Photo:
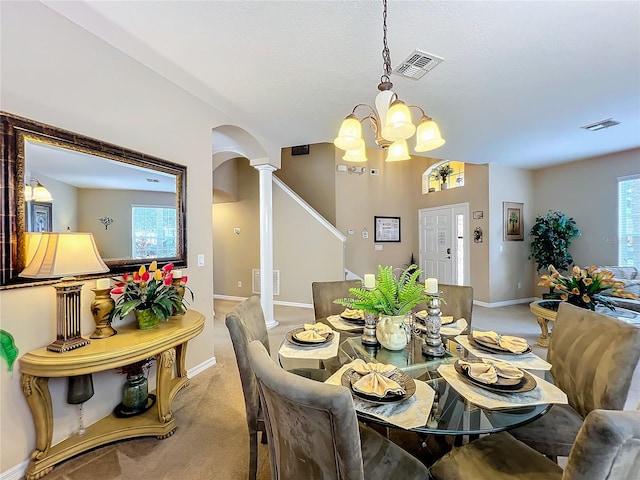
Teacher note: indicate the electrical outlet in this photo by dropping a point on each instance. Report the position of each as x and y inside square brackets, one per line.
[240, 284]
[379, 247]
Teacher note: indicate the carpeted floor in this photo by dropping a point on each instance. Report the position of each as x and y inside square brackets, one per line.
[211, 441]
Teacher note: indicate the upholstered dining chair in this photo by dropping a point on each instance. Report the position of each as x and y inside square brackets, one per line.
[607, 447]
[324, 293]
[459, 304]
[592, 357]
[245, 324]
[313, 431]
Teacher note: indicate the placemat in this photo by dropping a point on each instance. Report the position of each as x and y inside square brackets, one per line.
[338, 323]
[526, 361]
[410, 413]
[324, 352]
[454, 328]
[544, 392]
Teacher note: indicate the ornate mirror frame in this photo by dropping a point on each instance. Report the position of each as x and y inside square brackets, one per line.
[15, 131]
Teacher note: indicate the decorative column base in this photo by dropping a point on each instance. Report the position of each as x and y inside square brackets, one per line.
[432, 341]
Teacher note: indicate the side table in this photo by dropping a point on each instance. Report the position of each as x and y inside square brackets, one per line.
[545, 311]
[168, 343]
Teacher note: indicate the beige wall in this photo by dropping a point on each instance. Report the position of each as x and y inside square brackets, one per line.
[313, 177]
[588, 192]
[225, 182]
[115, 241]
[361, 197]
[509, 264]
[304, 250]
[57, 73]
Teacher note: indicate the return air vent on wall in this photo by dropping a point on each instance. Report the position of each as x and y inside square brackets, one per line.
[255, 284]
[417, 64]
[594, 127]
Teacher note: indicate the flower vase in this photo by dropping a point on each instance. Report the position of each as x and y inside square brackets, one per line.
[177, 284]
[135, 392]
[391, 332]
[146, 319]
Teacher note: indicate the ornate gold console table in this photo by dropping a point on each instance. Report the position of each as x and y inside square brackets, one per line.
[168, 343]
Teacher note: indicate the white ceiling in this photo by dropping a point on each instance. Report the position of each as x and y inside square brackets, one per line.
[519, 78]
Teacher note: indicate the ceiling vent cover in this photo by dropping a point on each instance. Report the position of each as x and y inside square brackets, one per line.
[417, 64]
[594, 127]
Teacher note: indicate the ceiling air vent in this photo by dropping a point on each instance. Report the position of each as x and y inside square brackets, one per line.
[593, 127]
[417, 64]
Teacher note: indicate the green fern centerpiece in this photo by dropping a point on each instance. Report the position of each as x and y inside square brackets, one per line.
[391, 296]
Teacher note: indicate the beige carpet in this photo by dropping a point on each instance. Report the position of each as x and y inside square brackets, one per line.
[211, 441]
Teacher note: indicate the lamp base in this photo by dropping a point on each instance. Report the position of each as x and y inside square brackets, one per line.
[61, 346]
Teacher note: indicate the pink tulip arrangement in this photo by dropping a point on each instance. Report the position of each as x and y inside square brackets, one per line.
[150, 289]
[586, 287]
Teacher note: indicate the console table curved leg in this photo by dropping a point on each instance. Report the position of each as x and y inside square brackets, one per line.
[543, 341]
[36, 391]
[166, 362]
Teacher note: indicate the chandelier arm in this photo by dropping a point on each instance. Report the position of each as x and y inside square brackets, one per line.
[421, 111]
[371, 109]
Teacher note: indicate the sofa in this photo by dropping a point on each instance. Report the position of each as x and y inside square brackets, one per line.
[630, 275]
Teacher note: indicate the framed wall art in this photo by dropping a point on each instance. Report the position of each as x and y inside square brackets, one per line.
[40, 217]
[478, 215]
[386, 229]
[512, 217]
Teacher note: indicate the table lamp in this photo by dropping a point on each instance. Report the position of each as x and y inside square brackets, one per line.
[66, 255]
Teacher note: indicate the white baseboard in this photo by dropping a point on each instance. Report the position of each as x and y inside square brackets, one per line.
[192, 372]
[229, 297]
[517, 301]
[275, 302]
[15, 473]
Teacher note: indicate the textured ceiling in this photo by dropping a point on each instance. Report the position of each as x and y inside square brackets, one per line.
[518, 79]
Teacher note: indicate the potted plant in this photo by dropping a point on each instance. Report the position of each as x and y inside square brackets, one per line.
[150, 294]
[442, 173]
[552, 234]
[586, 287]
[391, 299]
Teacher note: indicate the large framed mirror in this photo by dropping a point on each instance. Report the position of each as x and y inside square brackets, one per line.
[134, 204]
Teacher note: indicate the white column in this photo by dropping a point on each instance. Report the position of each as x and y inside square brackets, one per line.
[266, 242]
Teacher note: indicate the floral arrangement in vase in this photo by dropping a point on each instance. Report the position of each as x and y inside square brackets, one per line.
[151, 294]
[586, 287]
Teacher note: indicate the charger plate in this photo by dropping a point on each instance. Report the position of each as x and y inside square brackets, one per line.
[350, 376]
[290, 336]
[493, 348]
[503, 385]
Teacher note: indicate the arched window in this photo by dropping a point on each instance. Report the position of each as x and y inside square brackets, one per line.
[443, 176]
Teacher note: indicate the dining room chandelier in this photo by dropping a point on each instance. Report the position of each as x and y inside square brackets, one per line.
[390, 120]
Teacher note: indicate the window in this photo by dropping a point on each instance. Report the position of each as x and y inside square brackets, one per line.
[154, 231]
[453, 180]
[629, 220]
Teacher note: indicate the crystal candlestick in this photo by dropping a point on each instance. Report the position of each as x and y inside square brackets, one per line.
[369, 332]
[432, 341]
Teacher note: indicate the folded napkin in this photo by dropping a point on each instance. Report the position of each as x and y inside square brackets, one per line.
[375, 380]
[309, 336]
[320, 328]
[446, 319]
[483, 372]
[505, 369]
[353, 314]
[509, 343]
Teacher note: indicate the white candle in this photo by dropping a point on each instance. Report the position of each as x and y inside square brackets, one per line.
[431, 285]
[177, 274]
[103, 283]
[369, 280]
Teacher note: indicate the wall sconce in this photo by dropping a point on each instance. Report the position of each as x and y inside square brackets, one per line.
[477, 235]
[106, 221]
[35, 191]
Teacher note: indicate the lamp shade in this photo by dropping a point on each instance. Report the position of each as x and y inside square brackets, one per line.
[32, 240]
[398, 125]
[428, 136]
[350, 135]
[398, 151]
[64, 254]
[356, 155]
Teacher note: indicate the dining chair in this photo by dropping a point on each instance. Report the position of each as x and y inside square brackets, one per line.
[245, 324]
[607, 447]
[459, 303]
[592, 357]
[324, 293]
[313, 430]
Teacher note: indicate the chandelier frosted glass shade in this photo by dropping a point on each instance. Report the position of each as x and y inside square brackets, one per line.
[428, 136]
[398, 151]
[350, 135]
[398, 124]
[35, 191]
[357, 155]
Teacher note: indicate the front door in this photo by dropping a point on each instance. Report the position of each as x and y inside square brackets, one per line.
[436, 242]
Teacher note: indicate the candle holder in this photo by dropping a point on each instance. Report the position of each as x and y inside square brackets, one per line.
[101, 309]
[177, 284]
[369, 333]
[432, 341]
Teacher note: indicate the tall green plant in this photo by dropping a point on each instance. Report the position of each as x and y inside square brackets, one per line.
[552, 235]
[391, 295]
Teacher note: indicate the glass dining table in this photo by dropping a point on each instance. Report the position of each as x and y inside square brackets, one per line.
[451, 413]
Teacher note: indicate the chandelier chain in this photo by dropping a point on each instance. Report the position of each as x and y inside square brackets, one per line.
[386, 56]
